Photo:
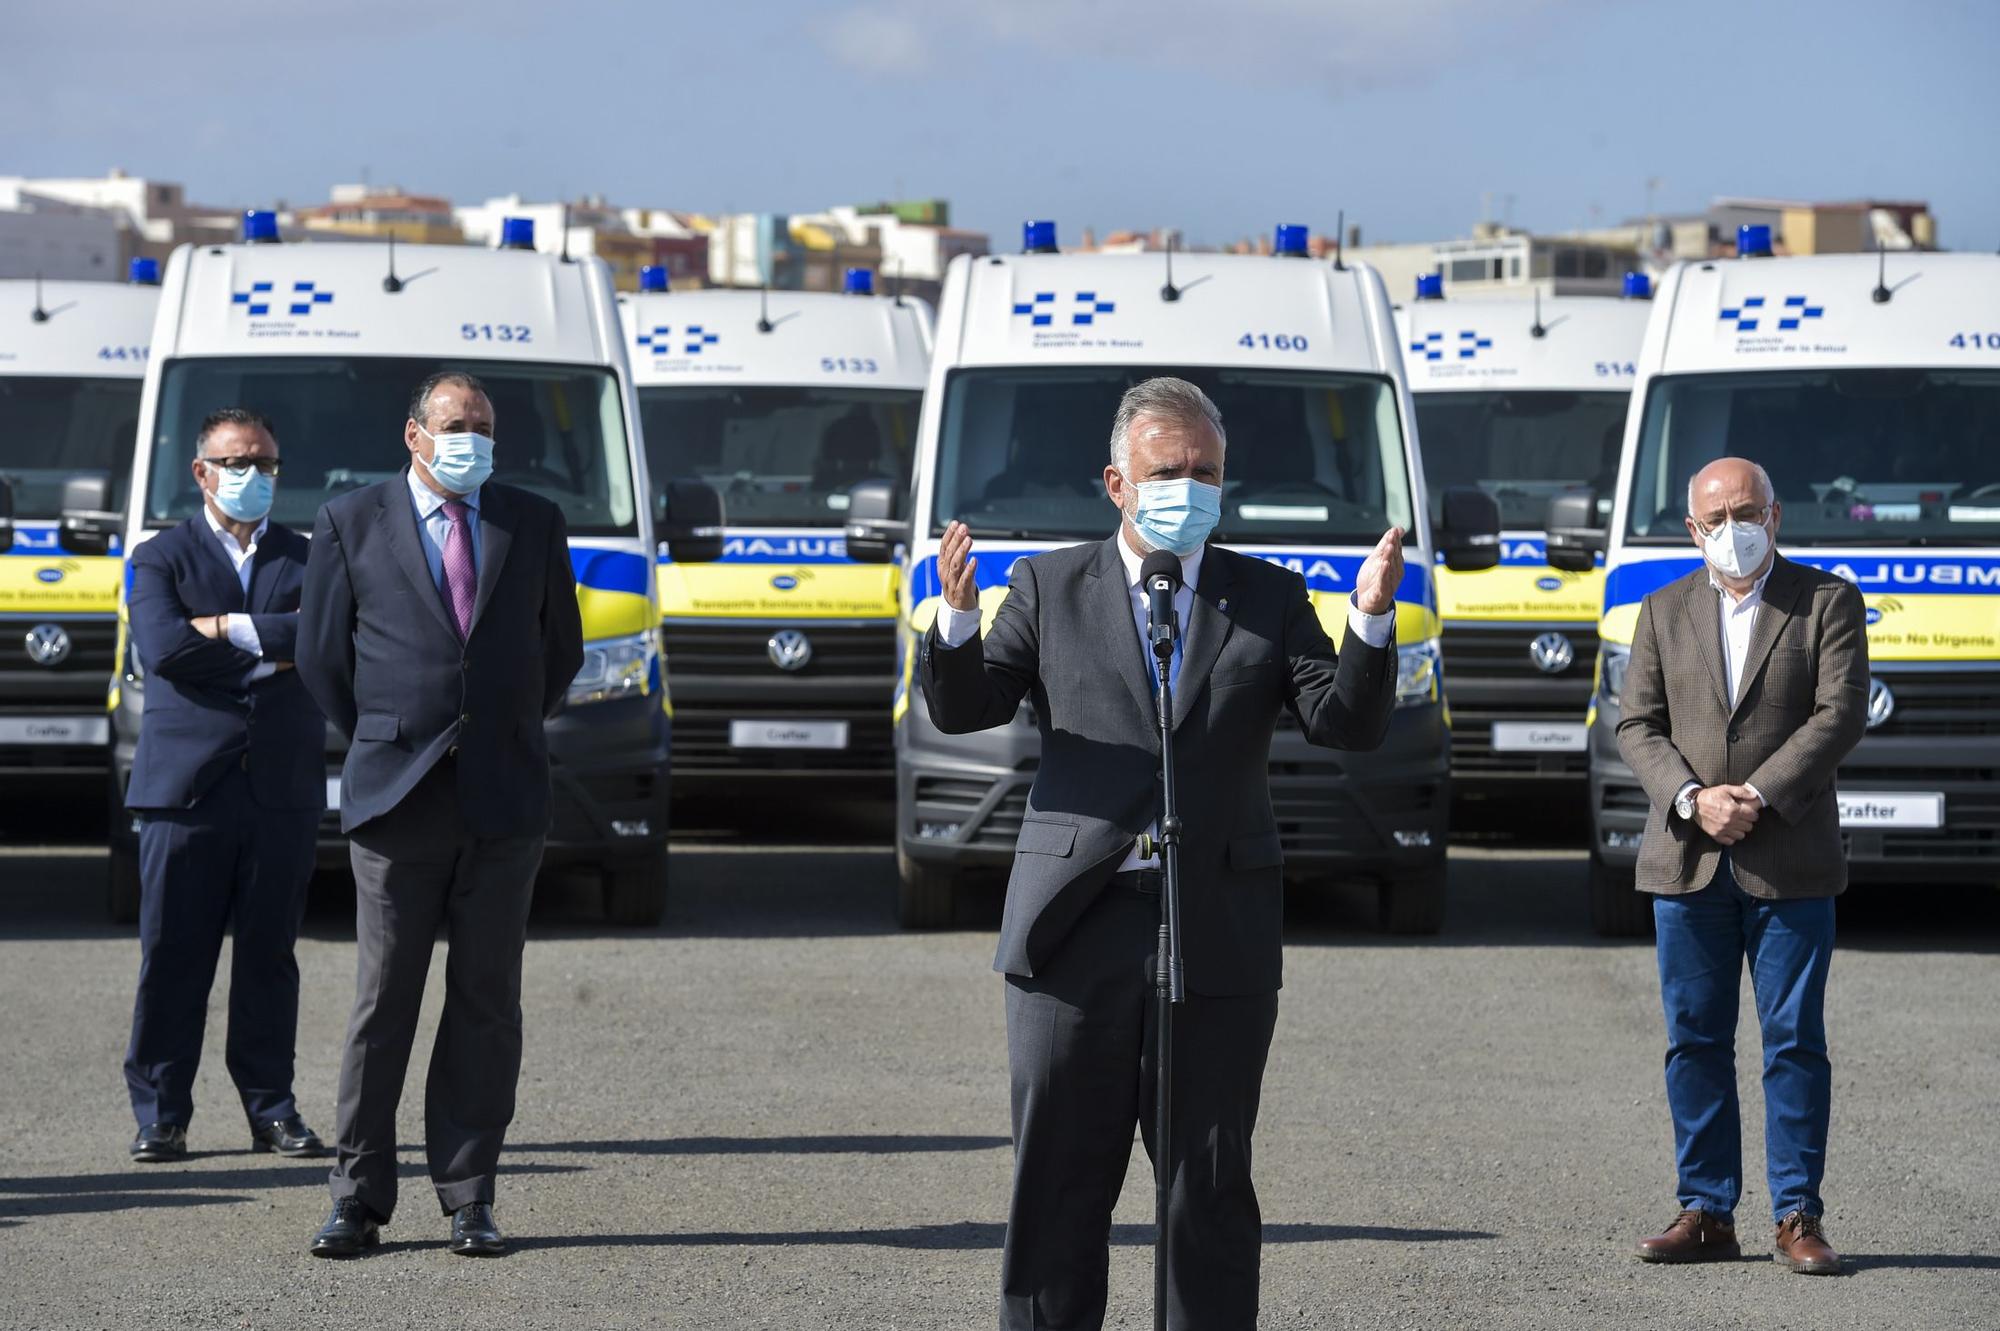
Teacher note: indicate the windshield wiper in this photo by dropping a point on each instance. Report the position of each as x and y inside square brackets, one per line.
[1014, 534]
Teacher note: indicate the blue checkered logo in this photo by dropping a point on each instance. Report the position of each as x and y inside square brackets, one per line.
[262, 297]
[1041, 310]
[659, 340]
[1432, 346]
[1786, 316]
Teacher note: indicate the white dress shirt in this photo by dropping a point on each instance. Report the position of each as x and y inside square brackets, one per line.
[956, 627]
[242, 634]
[1739, 617]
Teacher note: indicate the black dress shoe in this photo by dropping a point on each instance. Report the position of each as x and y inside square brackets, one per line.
[351, 1228]
[160, 1142]
[473, 1233]
[286, 1136]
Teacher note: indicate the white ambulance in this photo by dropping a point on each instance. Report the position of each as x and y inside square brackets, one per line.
[1868, 385]
[1526, 400]
[1301, 356]
[72, 356]
[329, 340]
[782, 655]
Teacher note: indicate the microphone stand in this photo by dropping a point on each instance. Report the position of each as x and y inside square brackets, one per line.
[1168, 983]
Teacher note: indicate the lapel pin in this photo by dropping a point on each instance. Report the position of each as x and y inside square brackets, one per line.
[1223, 605]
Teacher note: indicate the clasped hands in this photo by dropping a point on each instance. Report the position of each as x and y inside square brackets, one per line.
[1726, 813]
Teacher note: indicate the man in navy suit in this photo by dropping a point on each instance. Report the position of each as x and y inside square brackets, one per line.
[228, 783]
[441, 627]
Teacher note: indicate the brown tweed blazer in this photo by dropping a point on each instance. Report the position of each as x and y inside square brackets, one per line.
[1801, 707]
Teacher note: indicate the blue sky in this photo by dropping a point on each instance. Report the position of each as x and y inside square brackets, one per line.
[1219, 118]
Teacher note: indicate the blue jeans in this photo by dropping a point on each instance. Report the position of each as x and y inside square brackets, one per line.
[1703, 938]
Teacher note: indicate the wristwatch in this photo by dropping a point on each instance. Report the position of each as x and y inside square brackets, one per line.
[1684, 802]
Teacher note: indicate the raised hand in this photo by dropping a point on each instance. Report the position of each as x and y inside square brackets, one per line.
[956, 568]
[1382, 572]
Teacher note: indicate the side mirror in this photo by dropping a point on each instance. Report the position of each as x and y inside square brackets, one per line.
[89, 525]
[691, 522]
[873, 529]
[1574, 538]
[1469, 536]
[6, 515]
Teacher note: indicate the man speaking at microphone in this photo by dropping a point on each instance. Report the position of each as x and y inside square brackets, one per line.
[1083, 903]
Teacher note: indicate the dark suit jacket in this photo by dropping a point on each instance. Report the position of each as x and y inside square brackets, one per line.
[1065, 638]
[1801, 707]
[203, 715]
[378, 649]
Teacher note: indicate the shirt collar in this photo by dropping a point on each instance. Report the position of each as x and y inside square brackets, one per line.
[1133, 560]
[1756, 588]
[263, 525]
[430, 501]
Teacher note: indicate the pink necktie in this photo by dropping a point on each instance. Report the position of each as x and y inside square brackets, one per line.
[461, 585]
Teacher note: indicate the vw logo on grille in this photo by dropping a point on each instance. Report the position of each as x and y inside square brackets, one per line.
[47, 644]
[1552, 653]
[1881, 703]
[789, 649]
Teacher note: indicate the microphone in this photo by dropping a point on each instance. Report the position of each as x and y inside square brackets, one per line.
[1160, 575]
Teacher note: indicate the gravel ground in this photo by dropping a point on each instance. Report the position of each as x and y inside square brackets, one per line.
[776, 1111]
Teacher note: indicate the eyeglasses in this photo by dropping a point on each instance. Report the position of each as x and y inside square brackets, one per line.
[1754, 514]
[238, 465]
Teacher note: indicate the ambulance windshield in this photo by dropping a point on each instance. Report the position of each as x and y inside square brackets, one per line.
[1858, 457]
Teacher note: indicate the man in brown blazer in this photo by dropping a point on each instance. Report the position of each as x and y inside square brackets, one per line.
[1747, 686]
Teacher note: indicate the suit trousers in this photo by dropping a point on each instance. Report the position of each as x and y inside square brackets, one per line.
[1703, 938]
[1080, 1042]
[226, 865]
[417, 869]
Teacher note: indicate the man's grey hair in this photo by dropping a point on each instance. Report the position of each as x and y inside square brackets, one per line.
[1763, 478]
[1171, 399]
[222, 416]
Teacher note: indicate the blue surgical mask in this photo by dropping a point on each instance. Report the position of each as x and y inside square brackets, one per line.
[460, 460]
[1176, 516]
[244, 495]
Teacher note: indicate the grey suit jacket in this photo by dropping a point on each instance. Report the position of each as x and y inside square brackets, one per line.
[1801, 707]
[1064, 638]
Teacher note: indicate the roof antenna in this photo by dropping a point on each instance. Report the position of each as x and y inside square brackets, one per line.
[1881, 293]
[40, 315]
[764, 309]
[1170, 292]
[392, 283]
[1340, 241]
[1537, 328]
[896, 285]
[565, 234]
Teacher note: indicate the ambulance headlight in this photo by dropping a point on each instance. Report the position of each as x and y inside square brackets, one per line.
[1611, 662]
[1417, 673]
[616, 668]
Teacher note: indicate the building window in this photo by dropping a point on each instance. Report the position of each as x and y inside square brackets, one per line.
[1596, 263]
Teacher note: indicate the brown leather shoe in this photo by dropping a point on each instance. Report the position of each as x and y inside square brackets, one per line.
[1695, 1236]
[1803, 1247]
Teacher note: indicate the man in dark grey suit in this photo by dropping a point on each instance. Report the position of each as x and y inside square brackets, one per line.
[1747, 686]
[439, 627]
[1083, 905]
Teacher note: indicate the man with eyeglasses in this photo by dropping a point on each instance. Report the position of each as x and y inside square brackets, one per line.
[228, 783]
[1747, 686]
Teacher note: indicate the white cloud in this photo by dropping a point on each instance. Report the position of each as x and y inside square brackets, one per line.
[878, 39]
[1334, 43]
